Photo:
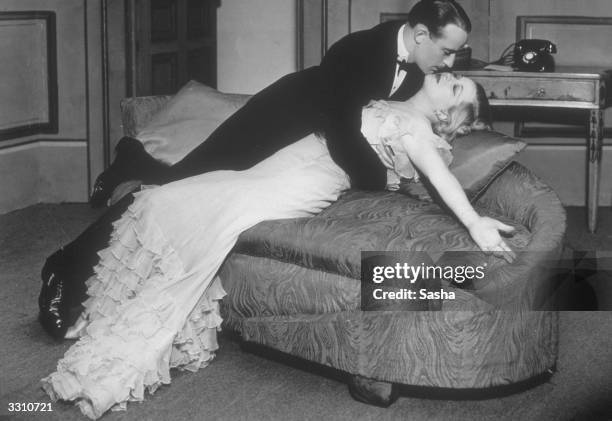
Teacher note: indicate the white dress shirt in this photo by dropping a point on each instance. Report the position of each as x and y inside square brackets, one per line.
[402, 55]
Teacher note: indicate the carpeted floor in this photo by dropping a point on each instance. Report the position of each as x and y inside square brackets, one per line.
[248, 385]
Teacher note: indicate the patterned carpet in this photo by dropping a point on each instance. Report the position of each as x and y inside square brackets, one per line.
[245, 385]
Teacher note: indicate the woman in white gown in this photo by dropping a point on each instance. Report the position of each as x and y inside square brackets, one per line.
[154, 298]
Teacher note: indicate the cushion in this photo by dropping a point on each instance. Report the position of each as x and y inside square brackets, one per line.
[137, 111]
[186, 120]
[477, 159]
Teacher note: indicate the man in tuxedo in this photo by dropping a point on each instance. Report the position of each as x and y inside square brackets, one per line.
[386, 62]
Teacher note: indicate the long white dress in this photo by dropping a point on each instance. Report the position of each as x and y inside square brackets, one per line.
[154, 297]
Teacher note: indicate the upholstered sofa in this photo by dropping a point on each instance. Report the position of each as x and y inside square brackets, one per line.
[295, 285]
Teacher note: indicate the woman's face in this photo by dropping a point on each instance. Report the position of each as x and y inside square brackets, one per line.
[447, 89]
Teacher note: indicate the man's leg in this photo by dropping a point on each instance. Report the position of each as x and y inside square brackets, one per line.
[222, 151]
[132, 162]
[65, 271]
[276, 117]
[254, 133]
[83, 251]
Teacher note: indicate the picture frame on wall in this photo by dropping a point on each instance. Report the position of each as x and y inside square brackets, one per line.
[28, 97]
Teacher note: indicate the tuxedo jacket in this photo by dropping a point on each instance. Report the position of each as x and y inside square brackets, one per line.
[357, 69]
[326, 99]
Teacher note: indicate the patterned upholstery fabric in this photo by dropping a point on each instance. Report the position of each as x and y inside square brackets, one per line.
[294, 285]
[376, 221]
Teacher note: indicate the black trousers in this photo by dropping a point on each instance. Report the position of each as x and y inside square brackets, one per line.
[270, 121]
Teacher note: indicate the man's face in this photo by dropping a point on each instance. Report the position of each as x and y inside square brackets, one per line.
[436, 53]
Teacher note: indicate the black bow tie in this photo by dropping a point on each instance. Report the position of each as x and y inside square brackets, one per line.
[405, 66]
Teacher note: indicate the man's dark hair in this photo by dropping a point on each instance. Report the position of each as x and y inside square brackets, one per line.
[436, 14]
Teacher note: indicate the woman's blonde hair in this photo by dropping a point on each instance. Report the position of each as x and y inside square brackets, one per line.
[466, 117]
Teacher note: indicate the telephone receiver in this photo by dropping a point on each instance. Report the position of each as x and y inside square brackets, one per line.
[534, 55]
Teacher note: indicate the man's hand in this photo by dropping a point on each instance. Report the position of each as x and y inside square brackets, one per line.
[485, 233]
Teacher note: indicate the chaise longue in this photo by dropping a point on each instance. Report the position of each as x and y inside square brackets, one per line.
[295, 285]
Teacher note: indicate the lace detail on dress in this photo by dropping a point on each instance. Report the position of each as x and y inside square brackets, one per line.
[132, 342]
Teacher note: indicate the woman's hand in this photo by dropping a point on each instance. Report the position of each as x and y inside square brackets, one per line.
[484, 230]
[485, 233]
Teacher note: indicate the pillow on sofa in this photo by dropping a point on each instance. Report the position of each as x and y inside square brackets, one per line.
[477, 159]
[186, 120]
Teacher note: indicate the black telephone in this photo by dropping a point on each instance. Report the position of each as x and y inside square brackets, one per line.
[534, 55]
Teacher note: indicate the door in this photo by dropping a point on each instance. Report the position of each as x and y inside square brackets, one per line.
[170, 43]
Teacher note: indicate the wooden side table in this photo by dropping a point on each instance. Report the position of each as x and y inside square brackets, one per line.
[583, 88]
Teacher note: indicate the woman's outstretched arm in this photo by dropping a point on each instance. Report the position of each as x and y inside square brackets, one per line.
[484, 230]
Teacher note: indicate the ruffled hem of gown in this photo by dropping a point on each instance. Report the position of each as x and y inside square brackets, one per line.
[131, 343]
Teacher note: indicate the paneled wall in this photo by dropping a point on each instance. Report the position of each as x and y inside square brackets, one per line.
[51, 167]
[256, 46]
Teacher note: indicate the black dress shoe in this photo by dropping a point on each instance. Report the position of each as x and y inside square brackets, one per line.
[131, 162]
[54, 314]
[372, 392]
[52, 301]
[103, 188]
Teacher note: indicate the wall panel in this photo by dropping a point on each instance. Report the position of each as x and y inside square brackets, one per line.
[42, 171]
[28, 74]
[70, 61]
[256, 43]
[33, 172]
